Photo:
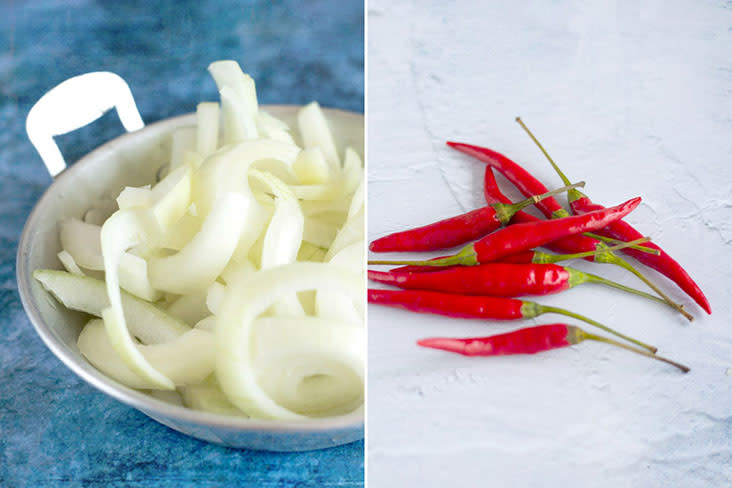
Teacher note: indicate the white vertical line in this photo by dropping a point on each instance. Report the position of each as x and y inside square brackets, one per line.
[366, 234]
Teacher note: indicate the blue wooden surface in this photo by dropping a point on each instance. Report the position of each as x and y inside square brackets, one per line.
[54, 429]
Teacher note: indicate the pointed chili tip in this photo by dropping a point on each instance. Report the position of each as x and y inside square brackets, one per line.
[444, 344]
[380, 276]
[465, 147]
[630, 205]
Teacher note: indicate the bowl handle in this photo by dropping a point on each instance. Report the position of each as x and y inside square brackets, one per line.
[73, 104]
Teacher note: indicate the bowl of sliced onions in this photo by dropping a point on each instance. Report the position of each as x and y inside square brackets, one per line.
[206, 269]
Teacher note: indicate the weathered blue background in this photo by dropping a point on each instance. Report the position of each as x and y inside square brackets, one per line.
[54, 429]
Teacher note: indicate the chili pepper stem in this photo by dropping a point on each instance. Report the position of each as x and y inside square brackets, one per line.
[625, 264]
[541, 309]
[466, 257]
[617, 241]
[561, 213]
[587, 335]
[571, 195]
[545, 258]
[504, 212]
[577, 277]
[574, 194]
[533, 138]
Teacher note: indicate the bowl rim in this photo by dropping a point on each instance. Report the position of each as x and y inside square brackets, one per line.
[131, 397]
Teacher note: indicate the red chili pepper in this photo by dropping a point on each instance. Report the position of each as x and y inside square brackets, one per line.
[478, 307]
[498, 280]
[530, 340]
[523, 341]
[521, 237]
[582, 243]
[662, 262]
[529, 257]
[522, 179]
[458, 230]
[517, 175]
[571, 244]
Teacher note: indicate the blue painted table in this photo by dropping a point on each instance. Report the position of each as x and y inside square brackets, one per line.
[54, 429]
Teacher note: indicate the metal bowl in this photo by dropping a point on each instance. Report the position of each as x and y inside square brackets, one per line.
[132, 160]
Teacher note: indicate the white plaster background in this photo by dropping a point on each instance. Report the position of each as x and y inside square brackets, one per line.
[633, 97]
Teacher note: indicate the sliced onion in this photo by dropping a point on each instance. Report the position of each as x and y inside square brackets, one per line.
[273, 128]
[284, 233]
[148, 323]
[337, 307]
[188, 359]
[316, 133]
[288, 353]
[245, 302]
[208, 397]
[311, 252]
[68, 261]
[120, 232]
[352, 231]
[311, 168]
[214, 297]
[319, 233]
[207, 127]
[215, 244]
[189, 308]
[283, 237]
[352, 171]
[184, 141]
[198, 264]
[238, 101]
[83, 241]
[134, 197]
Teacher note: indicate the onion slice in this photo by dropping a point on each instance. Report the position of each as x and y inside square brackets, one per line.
[120, 232]
[249, 299]
[148, 323]
[187, 360]
[197, 265]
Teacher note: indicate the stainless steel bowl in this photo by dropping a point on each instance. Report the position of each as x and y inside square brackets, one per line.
[134, 159]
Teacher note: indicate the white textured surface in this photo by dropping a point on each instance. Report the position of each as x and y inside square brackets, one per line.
[635, 98]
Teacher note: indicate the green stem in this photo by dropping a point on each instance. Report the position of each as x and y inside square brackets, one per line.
[619, 261]
[626, 265]
[466, 257]
[592, 278]
[562, 311]
[556, 168]
[563, 213]
[506, 211]
[616, 241]
[607, 340]
[546, 258]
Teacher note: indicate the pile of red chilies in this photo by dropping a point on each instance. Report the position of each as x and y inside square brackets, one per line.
[484, 277]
